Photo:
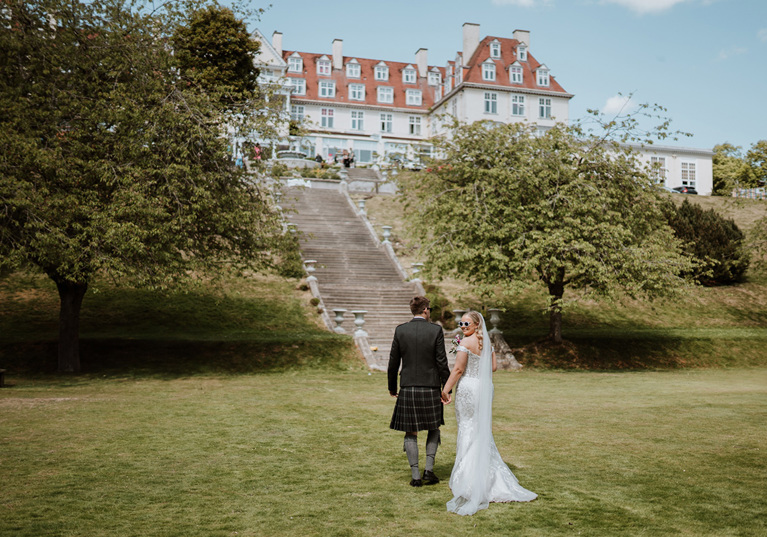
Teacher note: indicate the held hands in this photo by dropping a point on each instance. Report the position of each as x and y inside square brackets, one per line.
[446, 398]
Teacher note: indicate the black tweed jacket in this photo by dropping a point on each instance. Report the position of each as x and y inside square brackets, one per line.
[419, 346]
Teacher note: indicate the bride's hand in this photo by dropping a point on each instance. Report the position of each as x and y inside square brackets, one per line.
[445, 398]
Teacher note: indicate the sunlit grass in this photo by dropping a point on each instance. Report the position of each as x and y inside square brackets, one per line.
[309, 453]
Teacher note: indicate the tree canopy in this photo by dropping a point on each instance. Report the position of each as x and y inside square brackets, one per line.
[112, 163]
[214, 49]
[505, 208]
[732, 169]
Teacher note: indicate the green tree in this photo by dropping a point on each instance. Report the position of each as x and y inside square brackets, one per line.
[729, 169]
[214, 49]
[506, 208]
[715, 241]
[756, 158]
[111, 162]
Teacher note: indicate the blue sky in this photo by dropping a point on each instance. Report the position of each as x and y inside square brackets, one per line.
[703, 60]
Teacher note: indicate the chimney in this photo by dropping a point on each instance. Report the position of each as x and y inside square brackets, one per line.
[470, 41]
[523, 36]
[338, 56]
[422, 62]
[277, 43]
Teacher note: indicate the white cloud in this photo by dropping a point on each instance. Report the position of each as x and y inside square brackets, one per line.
[646, 6]
[521, 3]
[762, 34]
[728, 53]
[618, 104]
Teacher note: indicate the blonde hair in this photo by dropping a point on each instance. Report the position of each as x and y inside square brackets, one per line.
[477, 318]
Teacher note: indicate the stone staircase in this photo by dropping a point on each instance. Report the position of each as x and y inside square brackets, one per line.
[353, 272]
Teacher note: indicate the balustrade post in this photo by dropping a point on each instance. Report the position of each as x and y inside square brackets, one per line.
[494, 320]
[416, 271]
[386, 234]
[359, 321]
[309, 266]
[339, 319]
[361, 204]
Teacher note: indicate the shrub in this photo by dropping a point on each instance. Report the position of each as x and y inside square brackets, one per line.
[440, 306]
[716, 241]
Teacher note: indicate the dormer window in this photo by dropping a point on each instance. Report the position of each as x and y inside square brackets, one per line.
[543, 76]
[488, 70]
[295, 64]
[385, 94]
[522, 52]
[434, 78]
[381, 72]
[408, 75]
[353, 69]
[413, 97]
[515, 73]
[323, 66]
[495, 50]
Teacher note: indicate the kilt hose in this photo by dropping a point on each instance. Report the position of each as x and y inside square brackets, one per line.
[418, 408]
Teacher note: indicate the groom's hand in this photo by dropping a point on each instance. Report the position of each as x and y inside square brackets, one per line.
[393, 394]
[446, 398]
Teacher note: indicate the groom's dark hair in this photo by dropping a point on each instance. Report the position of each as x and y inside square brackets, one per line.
[418, 304]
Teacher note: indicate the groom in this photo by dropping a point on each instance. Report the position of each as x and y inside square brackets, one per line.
[420, 347]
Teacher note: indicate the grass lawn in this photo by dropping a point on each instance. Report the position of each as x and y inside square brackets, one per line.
[309, 453]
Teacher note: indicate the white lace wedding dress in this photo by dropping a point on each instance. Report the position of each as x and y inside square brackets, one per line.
[479, 475]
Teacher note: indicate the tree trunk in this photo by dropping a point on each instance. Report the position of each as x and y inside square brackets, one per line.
[556, 290]
[71, 295]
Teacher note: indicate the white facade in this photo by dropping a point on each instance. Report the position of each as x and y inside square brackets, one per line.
[680, 166]
[385, 110]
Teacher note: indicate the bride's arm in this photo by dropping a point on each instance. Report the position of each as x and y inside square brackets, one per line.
[461, 358]
[495, 364]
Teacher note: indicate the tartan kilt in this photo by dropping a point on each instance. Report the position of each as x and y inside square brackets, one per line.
[418, 408]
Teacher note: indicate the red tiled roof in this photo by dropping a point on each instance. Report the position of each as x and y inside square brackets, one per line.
[367, 78]
[473, 74]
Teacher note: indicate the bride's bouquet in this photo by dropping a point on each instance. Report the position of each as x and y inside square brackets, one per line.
[454, 347]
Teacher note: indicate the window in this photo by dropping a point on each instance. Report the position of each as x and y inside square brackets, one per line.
[544, 108]
[543, 77]
[381, 72]
[357, 92]
[434, 79]
[358, 118]
[408, 76]
[323, 67]
[415, 125]
[385, 95]
[386, 121]
[522, 52]
[515, 74]
[517, 105]
[327, 88]
[353, 70]
[296, 112]
[327, 118]
[298, 86]
[488, 70]
[295, 64]
[659, 168]
[491, 103]
[688, 173]
[495, 49]
[413, 97]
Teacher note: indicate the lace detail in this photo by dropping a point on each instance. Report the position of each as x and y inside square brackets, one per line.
[472, 365]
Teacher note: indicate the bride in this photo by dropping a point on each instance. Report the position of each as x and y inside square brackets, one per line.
[479, 475]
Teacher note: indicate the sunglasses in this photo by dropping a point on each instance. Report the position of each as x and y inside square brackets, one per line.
[464, 323]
